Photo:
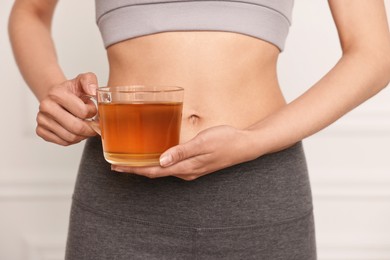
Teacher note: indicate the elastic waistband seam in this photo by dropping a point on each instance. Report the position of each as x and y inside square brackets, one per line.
[106, 214]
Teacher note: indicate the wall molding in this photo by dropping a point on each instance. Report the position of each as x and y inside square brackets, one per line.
[50, 247]
[361, 123]
[53, 248]
[342, 250]
[351, 190]
[43, 189]
[353, 185]
[323, 188]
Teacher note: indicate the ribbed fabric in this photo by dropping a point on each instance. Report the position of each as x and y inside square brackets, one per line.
[260, 209]
[268, 20]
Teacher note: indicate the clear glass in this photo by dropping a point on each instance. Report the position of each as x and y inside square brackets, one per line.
[138, 123]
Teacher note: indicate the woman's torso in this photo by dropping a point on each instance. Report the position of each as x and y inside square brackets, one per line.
[260, 209]
[229, 78]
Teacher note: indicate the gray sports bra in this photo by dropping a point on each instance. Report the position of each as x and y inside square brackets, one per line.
[268, 20]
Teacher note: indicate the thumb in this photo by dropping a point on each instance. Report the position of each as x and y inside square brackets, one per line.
[174, 155]
[88, 83]
[182, 152]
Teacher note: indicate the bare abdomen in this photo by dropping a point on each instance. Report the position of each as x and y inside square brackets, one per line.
[229, 79]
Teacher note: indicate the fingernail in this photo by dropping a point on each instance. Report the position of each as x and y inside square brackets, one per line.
[92, 88]
[166, 160]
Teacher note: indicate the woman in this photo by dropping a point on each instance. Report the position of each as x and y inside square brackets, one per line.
[236, 187]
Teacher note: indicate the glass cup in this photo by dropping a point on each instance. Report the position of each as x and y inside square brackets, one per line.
[138, 123]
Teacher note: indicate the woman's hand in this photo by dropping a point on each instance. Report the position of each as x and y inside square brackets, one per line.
[211, 150]
[62, 113]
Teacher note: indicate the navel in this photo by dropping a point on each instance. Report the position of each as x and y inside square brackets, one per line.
[194, 119]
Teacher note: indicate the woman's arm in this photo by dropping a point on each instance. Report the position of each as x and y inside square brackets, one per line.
[61, 109]
[362, 71]
[30, 35]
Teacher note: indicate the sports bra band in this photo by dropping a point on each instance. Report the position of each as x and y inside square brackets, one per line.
[120, 20]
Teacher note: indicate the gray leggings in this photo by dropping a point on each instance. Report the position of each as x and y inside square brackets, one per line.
[260, 209]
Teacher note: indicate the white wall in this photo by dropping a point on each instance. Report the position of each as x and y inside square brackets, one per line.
[349, 161]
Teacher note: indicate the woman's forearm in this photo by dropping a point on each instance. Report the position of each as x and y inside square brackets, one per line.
[34, 51]
[362, 71]
[356, 77]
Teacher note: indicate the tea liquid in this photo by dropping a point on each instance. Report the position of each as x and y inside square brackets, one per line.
[137, 133]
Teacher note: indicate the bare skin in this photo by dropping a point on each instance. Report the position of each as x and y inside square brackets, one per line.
[236, 89]
[234, 110]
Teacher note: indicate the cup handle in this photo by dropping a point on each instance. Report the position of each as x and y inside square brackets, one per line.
[94, 121]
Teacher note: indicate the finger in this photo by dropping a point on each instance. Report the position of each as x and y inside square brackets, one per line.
[188, 169]
[50, 137]
[88, 83]
[73, 103]
[182, 152]
[51, 125]
[150, 172]
[187, 177]
[68, 121]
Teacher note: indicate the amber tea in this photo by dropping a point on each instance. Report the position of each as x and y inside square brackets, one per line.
[137, 133]
[138, 123]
